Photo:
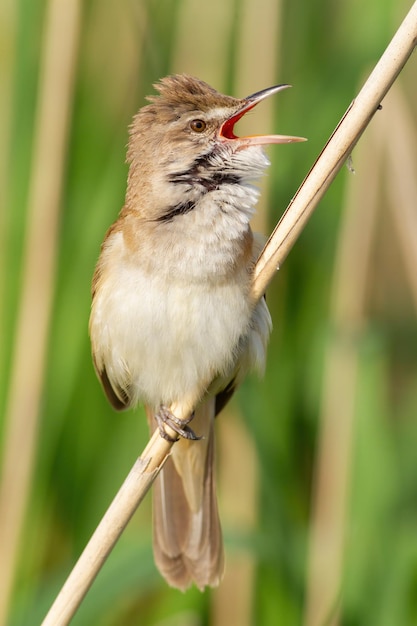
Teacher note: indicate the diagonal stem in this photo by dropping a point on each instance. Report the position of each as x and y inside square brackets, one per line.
[335, 152]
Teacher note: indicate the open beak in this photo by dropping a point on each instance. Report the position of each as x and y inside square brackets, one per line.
[226, 130]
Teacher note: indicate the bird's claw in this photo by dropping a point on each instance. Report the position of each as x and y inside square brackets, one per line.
[165, 417]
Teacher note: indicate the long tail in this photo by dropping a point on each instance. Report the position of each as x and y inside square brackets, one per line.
[188, 546]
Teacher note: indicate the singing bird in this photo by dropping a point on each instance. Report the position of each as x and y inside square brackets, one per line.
[172, 318]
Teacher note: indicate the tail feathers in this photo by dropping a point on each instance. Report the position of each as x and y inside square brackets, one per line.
[188, 546]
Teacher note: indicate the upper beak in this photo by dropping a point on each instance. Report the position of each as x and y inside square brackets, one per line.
[226, 130]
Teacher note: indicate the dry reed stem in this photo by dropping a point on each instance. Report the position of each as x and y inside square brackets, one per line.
[336, 151]
[233, 600]
[323, 172]
[115, 520]
[402, 183]
[254, 71]
[23, 402]
[337, 414]
[324, 581]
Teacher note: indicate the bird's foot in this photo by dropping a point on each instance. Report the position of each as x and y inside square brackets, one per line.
[165, 417]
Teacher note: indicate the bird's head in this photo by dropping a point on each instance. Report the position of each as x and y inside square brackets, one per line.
[186, 136]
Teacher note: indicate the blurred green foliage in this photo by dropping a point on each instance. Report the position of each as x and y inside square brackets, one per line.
[84, 451]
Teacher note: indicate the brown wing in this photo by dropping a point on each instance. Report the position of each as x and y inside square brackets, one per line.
[117, 396]
[223, 397]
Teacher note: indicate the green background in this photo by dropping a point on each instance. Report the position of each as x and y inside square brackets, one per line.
[305, 483]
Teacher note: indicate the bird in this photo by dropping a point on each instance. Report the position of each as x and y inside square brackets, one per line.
[172, 317]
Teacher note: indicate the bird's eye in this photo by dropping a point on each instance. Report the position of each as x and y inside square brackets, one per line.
[198, 126]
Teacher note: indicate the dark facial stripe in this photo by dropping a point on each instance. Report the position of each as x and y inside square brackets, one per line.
[211, 181]
[202, 173]
[178, 209]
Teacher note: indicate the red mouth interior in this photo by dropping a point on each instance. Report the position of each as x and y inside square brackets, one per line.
[227, 128]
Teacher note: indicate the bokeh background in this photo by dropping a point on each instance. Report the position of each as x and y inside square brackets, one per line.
[317, 463]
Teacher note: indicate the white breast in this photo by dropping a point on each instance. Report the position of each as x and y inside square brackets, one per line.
[166, 341]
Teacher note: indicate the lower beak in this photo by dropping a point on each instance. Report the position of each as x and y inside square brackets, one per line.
[226, 130]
